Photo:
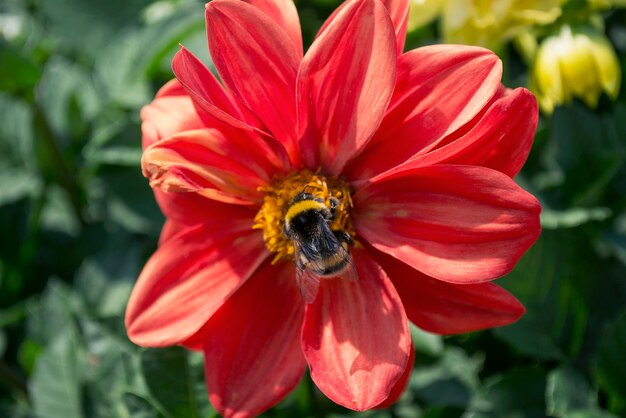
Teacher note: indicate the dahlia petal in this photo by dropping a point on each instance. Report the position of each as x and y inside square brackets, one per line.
[344, 84]
[447, 308]
[219, 109]
[188, 279]
[460, 224]
[169, 230]
[356, 337]
[171, 88]
[170, 112]
[207, 92]
[192, 209]
[400, 386]
[398, 12]
[285, 14]
[501, 139]
[439, 89]
[258, 62]
[204, 161]
[252, 344]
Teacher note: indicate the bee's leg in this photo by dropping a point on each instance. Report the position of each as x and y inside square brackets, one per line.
[334, 203]
[343, 236]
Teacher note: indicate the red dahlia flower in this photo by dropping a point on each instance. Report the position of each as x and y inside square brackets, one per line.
[418, 148]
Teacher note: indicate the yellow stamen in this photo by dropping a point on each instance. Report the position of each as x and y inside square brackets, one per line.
[271, 216]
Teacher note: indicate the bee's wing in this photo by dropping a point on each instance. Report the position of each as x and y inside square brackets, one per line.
[308, 283]
[350, 272]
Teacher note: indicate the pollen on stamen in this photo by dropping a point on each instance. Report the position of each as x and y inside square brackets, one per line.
[278, 196]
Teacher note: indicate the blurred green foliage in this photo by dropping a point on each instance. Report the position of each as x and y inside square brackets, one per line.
[77, 222]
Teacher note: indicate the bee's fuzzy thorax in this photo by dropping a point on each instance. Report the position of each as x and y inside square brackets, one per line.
[302, 206]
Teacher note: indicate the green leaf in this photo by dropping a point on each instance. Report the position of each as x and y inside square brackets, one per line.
[3, 342]
[451, 381]
[568, 391]
[425, 342]
[28, 354]
[609, 364]
[112, 370]
[571, 218]
[139, 407]
[52, 312]
[128, 200]
[122, 67]
[17, 73]
[105, 280]
[590, 413]
[14, 410]
[18, 173]
[116, 142]
[55, 386]
[547, 283]
[68, 98]
[587, 151]
[58, 214]
[171, 381]
[519, 393]
[89, 26]
[13, 314]
[205, 409]
[16, 183]
[614, 240]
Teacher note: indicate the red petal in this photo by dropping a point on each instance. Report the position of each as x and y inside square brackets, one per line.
[400, 386]
[222, 111]
[252, 344]
[398, 12]
[171, 88]
[204, 88]
[460, 224]
[188, 279]
[500, 140]
[169, 113]
[285, 14]
[356, 337]
[257, 60]
[345, 83]
[439, 89]
[192, 209]
[446, 308]
[204, 161]
[170, 229]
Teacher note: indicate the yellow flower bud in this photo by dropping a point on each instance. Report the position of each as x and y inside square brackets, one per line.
[575, 63]
[490, 23]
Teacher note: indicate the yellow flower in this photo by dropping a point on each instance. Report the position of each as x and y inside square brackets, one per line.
[490, 23]
[606, 4]
[575, 63]
[423, 12]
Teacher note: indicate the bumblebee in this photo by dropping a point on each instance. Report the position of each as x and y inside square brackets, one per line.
[320, 252]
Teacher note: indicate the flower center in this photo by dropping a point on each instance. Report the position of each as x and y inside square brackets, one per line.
[278, 199]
